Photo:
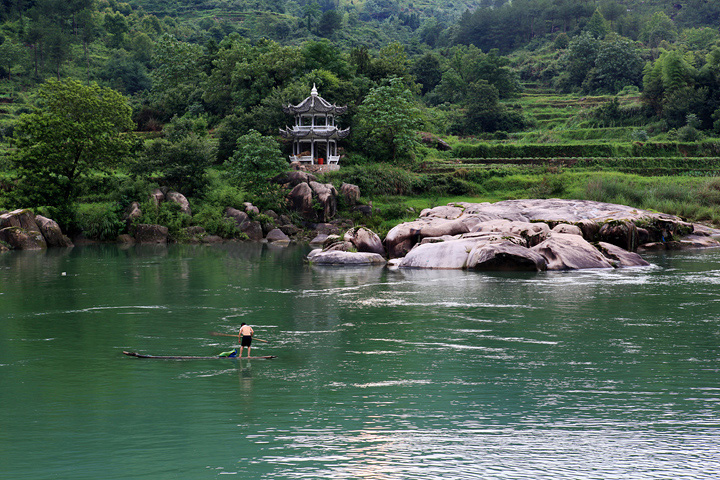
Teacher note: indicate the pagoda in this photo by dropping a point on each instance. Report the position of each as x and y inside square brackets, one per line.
[315, 134]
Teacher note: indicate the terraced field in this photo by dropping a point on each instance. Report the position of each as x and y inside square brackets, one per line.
[565, 136]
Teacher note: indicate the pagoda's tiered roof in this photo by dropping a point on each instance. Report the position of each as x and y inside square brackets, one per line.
[314, 104]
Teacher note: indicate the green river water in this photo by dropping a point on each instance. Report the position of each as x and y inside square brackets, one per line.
[380, 374]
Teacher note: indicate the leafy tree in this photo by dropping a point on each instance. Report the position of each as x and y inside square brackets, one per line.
[612, 11]
[312, 13]
[176, 77]
[617, 65]
[659, 28]
[256, 159]
[125, 74]
[700, 38]
[427, 72]
[265, 67]
[469, 64]
[578, 60]
[77, 129]
[11, 55]
[597, 26]
[327, 56]
[391, 61]
[182, 157]
[117, 26]
[387, 121]
[329, 22]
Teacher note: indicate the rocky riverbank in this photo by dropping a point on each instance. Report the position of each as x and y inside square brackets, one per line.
[531, 235]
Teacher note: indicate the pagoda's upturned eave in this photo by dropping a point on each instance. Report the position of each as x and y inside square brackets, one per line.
[310, 105]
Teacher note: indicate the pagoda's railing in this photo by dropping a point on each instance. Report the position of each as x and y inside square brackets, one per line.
[331, 159]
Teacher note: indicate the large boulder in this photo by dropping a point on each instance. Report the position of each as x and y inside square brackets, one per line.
[337, 257]
[533, 233]
[20, 231]
[570, 252]
[622, 233]
[301, 199]
[319, 239]
[620, 257]
[21, 218]
[294, 178]
[253, 230]
[440, 255]
[277, 236]
[401, 238]
[577, 222]
[505, 256]
[251, 209]
[157, 197]
[567, 228]
[240, 218]
[351, 193]
[327, 197]
[148, 233]
[179, 198]
[132, 213]
[448, 212]
[365, 240]
[20, 239]
[52, 233]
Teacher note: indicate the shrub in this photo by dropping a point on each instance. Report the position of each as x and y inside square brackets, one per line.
[100, 221]
[168, 214]
[211, 218]
[225, 196]
[639, 135]
[256, 159]
[377, 179]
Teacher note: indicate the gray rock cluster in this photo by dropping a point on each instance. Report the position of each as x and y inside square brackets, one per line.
[359, 246]
[537, 235]
[23, 230]
[532, 235]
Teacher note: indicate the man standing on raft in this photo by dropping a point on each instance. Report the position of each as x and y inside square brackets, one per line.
[245, 338]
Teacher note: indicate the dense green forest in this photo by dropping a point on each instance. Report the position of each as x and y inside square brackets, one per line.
[535, 97]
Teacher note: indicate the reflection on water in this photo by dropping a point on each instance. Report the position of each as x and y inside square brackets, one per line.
[380, 374]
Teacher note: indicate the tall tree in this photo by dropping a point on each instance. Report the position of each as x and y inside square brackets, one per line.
[77, 129]
[387, 121]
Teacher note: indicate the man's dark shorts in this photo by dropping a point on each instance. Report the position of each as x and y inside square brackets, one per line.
[245, 341]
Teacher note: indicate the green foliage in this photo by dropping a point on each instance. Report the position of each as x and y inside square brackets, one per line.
[225, 196]
[387, 122]
[75, 130]
[212, 219]
[597, 26]
[427, 72]
[100, 221]
[484, 113]
[256, 159]
[468, 65]
[618, 64]
[125, 74]
[562, 41]
[181, 164]
[378, 179]
[578, 60]
[168, 214]
[660, 28]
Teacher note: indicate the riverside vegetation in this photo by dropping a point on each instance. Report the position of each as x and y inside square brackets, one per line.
[586, 102]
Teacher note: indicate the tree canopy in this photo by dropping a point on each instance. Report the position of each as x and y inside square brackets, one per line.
[75, 129]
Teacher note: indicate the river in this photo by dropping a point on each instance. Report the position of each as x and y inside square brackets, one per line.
[380, 374]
